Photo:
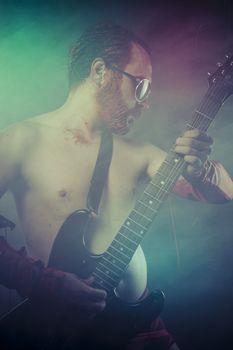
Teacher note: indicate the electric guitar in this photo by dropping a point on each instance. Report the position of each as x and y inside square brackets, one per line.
[120, 320]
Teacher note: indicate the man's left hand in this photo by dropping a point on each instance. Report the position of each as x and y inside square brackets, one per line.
[195, 145]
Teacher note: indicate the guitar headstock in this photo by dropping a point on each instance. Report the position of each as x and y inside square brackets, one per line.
[222, 78]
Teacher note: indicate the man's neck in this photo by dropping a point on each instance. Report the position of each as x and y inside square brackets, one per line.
[79, 115]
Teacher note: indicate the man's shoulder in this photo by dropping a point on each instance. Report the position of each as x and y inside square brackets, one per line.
[17, 138]
[25, 130]
[18, 132]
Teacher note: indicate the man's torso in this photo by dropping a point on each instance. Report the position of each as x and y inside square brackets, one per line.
[54, 180]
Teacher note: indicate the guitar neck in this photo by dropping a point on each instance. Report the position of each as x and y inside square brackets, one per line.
[115, 260]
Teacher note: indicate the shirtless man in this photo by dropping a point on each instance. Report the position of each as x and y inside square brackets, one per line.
[47, 161]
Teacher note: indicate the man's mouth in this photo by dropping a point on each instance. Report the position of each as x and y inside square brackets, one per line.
[122, 126]
[126, 122]
[130, 120]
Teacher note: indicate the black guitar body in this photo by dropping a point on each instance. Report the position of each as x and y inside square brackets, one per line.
[120, 320]
[35, 325]
[68, 252]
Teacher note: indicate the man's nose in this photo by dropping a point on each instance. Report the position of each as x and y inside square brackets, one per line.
[145, 104]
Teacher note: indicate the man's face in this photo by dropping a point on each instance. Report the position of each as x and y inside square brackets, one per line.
[117, 100]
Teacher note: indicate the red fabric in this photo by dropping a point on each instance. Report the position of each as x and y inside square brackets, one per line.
[28, 276]
[214, 185]
[155, 338]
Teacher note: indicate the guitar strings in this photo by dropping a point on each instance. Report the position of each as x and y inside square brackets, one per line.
[198, 119]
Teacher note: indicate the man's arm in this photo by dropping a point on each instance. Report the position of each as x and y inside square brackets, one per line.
[212, 185]
[32, 279]
[11, 152]
[203, 180]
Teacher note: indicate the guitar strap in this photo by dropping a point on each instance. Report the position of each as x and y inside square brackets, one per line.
[100, 173]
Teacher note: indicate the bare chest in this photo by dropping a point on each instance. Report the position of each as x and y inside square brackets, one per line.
[62, 176]
[55, 182]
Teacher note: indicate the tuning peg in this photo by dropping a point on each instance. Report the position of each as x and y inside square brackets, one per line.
[209, 74]
[219, 64]
[227, 56]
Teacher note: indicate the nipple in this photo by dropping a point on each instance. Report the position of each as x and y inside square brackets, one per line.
[62, 193]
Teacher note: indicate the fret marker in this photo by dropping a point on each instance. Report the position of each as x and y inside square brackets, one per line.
[141, 232]
[128, 223]
[113, 261]
[121, 249]
[176, 160]
[162, 182]
[150, 202]
[107, 272]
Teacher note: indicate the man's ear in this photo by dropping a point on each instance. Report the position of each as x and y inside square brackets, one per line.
[98, 72]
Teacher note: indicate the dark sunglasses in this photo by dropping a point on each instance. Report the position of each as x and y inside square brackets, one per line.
[142, 85]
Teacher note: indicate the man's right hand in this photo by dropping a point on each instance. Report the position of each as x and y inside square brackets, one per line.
[31, 279]
[81, 295]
